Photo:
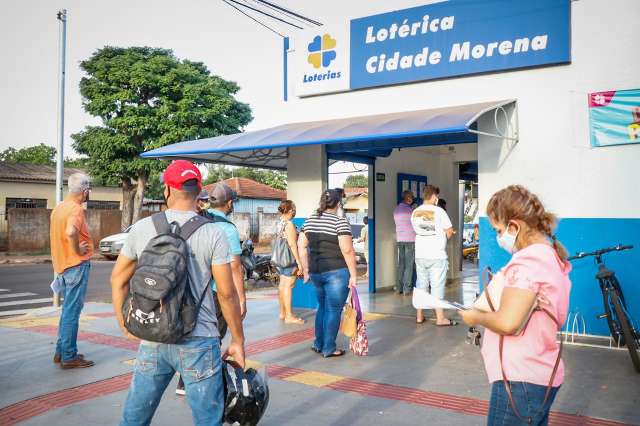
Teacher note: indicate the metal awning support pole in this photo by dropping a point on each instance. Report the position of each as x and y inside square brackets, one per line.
[509, 133]
[62, 17]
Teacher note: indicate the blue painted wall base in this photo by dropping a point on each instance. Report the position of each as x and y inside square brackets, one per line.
[303, 295]
[586, 235]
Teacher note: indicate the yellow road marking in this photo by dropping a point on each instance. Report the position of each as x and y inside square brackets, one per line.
[21, 322]
[372, 316]
[314, 378]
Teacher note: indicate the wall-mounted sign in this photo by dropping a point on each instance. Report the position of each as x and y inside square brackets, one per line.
[614, 117]
[451, 38]
[381, 177]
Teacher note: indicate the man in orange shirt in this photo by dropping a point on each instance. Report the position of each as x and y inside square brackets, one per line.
[71, 249]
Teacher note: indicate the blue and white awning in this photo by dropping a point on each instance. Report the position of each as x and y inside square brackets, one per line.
[367, 136]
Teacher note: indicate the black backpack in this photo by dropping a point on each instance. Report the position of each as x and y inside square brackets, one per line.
[160, 306]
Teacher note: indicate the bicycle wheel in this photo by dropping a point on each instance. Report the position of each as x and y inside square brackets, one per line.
[627, 331]
[609, 313]
[616, 284]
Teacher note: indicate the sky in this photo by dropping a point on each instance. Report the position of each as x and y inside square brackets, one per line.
[231, 45]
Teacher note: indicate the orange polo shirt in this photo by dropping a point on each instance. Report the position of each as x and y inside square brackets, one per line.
[63, 255]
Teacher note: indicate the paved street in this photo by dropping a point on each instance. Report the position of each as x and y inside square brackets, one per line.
[440, 380]
[24, 288]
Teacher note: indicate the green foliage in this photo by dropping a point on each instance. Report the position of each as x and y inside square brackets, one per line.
[39, 154]
[154, 187]
[147, 98]
[273, 178]
[356, 181]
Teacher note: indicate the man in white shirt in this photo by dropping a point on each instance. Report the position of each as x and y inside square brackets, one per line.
[433, 229]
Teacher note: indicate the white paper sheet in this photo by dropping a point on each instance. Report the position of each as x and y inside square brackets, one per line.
[423, 300]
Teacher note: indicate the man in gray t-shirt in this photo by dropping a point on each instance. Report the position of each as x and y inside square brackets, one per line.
[208, 246]
[196, 357]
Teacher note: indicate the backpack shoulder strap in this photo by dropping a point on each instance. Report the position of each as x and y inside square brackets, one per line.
[161, 223]
[192, 225]
[219, 219]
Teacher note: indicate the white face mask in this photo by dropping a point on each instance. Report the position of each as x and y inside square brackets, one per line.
[507, 241]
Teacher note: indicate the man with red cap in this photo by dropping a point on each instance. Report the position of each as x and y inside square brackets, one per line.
[198, 356]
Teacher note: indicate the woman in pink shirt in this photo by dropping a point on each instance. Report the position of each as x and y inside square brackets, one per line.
[526, 378]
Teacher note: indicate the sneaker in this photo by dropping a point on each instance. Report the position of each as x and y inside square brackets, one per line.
[57, 358]
[77, 362]
[180, 388]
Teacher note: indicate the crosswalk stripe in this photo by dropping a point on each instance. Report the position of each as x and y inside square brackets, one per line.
[7, 296]
[15, 312]
[3, 289]
[26, 302]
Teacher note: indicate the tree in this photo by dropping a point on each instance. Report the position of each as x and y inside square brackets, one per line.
[147, 98]
[39, 154]
[356, 181]
[273, 178]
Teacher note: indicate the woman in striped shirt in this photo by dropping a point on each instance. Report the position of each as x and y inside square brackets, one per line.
[329, 261]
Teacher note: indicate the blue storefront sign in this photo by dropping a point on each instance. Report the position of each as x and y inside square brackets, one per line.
[614, 117]
[458, 37]
[447, 39]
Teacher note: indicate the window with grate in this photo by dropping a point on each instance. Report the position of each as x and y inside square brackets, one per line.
[103, 205]
[25, 203]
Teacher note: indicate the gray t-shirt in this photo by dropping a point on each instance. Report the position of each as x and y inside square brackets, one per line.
[208, 245]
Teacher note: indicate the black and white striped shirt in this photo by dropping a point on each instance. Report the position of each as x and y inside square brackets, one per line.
[322, 233]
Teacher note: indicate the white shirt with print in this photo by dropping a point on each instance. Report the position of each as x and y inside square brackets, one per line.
[429, 222]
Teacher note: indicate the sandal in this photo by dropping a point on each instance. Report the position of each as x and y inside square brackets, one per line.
[451, 324]
[294, 320]
[338, 352]
[421, 322]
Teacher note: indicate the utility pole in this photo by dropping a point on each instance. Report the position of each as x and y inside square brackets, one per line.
[62, 17]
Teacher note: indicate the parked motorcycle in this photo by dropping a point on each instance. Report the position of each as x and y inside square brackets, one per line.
[256, 266]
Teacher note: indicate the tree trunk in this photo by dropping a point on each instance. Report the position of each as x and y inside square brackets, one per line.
[128, 192]
[139, 196]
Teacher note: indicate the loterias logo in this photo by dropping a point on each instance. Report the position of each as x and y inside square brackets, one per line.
[322, 51]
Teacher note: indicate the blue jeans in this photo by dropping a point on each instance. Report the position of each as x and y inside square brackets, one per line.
[74, 281]
[406, 257]
[332, 289]
[528, 399]
[199, 363]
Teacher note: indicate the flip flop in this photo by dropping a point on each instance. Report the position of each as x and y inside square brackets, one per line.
[451, 324]
[339, 352]
[294, 320]
[421, 322]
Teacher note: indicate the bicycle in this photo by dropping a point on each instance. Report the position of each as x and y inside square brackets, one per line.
[615, 307]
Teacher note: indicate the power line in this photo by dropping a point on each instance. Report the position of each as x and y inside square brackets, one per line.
[290, 12]
[265, 13]
[254, 19]
[286, 14]
[350, 171]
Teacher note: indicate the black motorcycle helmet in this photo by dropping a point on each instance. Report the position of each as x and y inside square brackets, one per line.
[246, 395]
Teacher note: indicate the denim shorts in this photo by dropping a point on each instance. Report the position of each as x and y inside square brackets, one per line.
[432, 275]
[287, 272]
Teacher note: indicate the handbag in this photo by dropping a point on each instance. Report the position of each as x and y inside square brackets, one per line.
[349, 323]
[490, 298]
[281, 255]
[359, 343]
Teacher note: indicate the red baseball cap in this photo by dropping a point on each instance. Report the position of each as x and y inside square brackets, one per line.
[179, 172]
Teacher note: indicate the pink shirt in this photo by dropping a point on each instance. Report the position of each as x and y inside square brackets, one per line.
[404, 228]
[530, 357]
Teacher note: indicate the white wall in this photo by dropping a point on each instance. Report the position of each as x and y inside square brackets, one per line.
[307, 171]
[553, 157]
[440, 165]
